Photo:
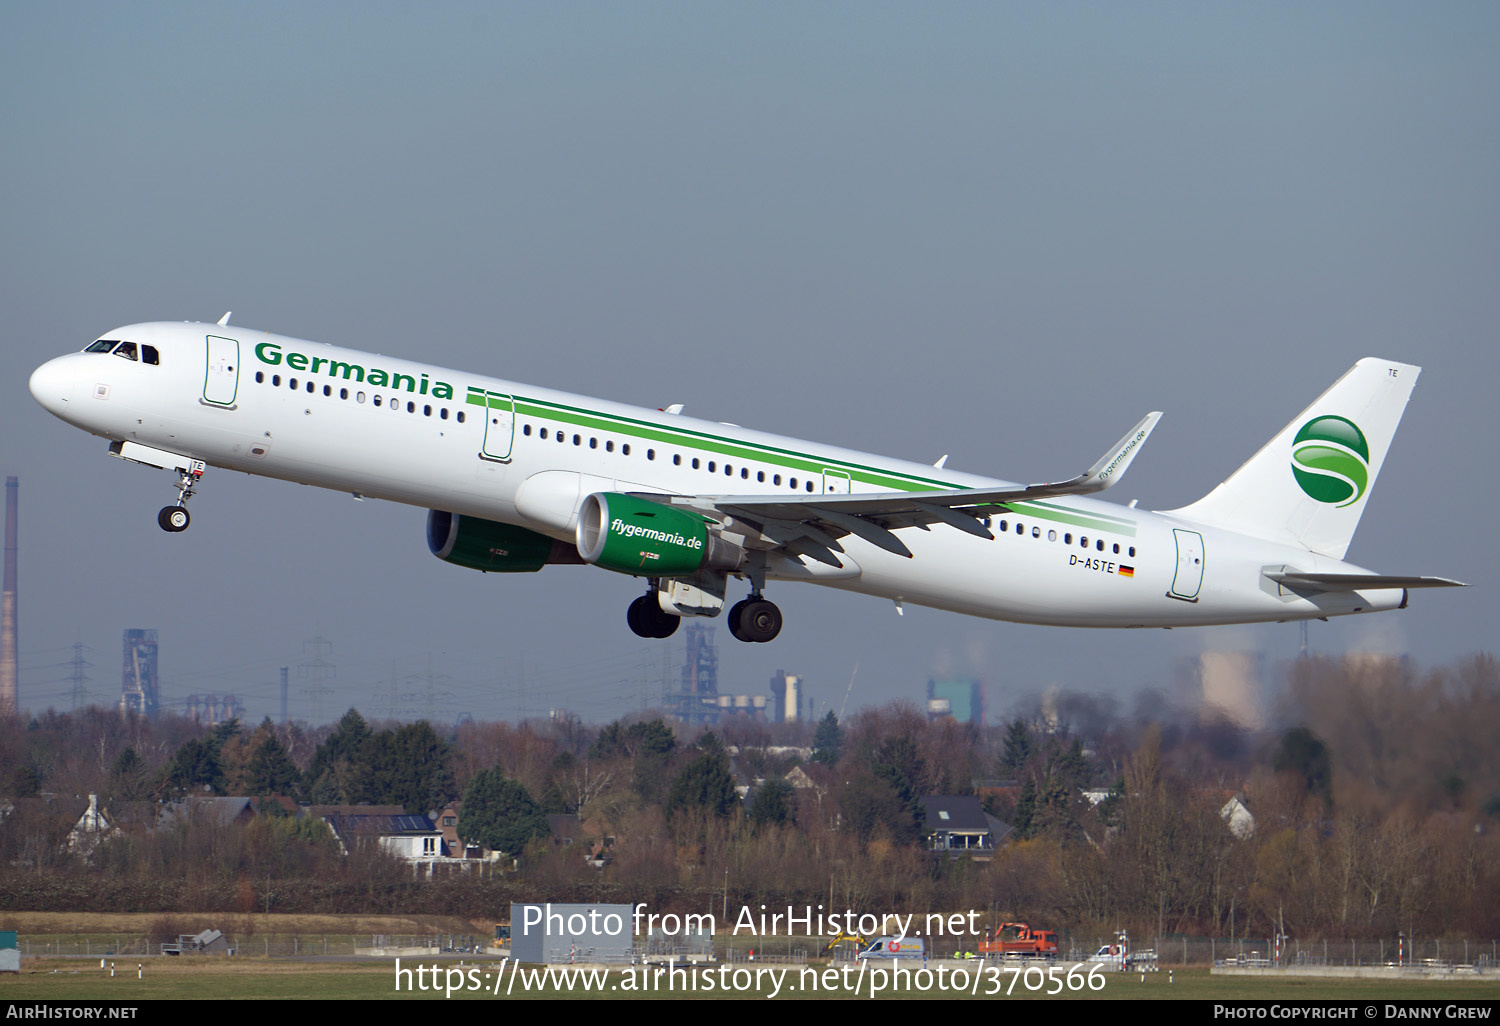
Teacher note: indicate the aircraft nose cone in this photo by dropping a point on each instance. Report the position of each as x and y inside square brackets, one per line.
[51, 385]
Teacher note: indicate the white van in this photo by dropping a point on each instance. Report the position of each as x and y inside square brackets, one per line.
[895, 947]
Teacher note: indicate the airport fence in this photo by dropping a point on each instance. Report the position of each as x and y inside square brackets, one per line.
[1263, 952]
[265, 945]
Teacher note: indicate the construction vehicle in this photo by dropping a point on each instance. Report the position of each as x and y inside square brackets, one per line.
[1018, 940]
[858, 940]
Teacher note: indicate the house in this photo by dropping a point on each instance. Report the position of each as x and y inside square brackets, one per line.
[411, 838]
[56, 824]
[1241, 823]
[957, 825]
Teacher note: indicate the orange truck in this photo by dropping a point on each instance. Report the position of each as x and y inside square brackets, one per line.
[1017, 940]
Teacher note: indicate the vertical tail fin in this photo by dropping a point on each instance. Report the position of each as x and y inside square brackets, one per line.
[1308, 486]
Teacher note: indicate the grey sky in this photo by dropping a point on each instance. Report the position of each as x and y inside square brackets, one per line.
[1000, 231]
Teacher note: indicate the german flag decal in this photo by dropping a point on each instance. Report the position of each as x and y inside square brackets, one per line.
[1127, 571]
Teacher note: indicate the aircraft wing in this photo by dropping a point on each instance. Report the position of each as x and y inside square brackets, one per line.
[812, 526]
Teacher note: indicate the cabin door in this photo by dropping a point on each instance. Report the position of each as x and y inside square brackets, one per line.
[1189, 578]
[499, 426]
[221, 380]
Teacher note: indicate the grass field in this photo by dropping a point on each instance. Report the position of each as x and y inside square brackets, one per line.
[72, 979]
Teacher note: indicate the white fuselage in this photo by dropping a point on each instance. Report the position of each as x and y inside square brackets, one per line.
[425, 436]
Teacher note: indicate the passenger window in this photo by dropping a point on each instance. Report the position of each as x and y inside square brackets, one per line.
[1067, 539]
[1036, 532]
[310, 387]
[650, 454]
[460, 416]
[809, 486]
[1083, 540]
[343, 393]
[359, 397]
[377, 400]
[292, 384]
[328, 390]
[1117, 548]
[625, 449]
[1099, 544]
[542, 434]
[427, 411]
[793, 483]
[443, 413]
[728, 470]
[577, 439]
[1132, 552]
[1020, 527]
[260, 376]
[1052, 536]
[712, 466]
[149, 355]
[609, 445]
[276, 380]
[776, 479]
[593, 443]
[760, 475]
[695, 463]
[411, 407]
[677, 459]
[1004, 527]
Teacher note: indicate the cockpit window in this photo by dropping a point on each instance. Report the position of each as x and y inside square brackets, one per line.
[149, 355]
[126, 351]
[104, 345]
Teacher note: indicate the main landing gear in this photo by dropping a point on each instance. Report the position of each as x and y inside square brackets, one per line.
[754, 619]
[173, 519]
[647, 619]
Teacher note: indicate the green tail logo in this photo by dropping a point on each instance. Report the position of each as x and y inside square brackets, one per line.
[1331, 460]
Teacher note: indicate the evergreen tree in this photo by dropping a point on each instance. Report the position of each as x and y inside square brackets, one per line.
[499, 813]
[196, 767]
[900, 766]
[705, 783]
[773, 802]
[409, 766]
[1304, 754]
[1025, 817]
[828, 741]
[128, 779]
[271, 770]
[1017, 749]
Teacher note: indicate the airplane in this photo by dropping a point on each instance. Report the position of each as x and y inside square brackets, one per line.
[516, 477]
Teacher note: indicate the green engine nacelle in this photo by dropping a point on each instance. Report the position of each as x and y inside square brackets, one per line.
[491, 546]
[648, 539]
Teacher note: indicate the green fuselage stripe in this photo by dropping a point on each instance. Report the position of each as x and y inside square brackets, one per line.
[1062, 515]
[702, 441]
[705, 442]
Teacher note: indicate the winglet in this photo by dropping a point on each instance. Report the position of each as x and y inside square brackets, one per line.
[225, 319]
[1111, 466]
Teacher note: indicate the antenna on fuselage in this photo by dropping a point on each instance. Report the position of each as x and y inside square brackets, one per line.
[225, 319]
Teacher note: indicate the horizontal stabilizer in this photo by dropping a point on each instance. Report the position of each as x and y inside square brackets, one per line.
[1357, 582]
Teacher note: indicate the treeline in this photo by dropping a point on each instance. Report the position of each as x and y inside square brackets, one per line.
[1375, 805]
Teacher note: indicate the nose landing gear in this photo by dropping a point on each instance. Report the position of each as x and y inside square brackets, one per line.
[173, 519]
